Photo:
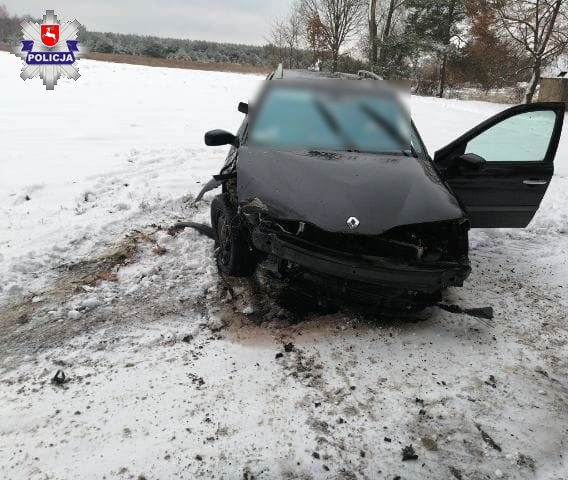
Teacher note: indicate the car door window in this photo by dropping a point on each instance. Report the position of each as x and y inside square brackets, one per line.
[524, 137]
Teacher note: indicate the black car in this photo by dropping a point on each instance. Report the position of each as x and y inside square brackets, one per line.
[329, 182]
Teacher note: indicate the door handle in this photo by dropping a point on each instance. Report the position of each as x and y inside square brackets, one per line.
[535, 182]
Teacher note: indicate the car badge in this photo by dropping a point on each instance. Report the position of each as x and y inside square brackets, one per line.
[352, 223]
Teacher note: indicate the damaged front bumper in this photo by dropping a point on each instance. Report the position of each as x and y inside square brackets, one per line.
[418, 277]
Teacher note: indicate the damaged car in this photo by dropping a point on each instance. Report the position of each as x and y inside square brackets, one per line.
[328, 183]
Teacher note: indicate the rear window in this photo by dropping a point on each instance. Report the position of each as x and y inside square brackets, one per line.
[295, 118]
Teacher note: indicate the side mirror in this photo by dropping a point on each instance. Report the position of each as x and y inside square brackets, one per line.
[215, 138]
[243, 108]
[470, 161]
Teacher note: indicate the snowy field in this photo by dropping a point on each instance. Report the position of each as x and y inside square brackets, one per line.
[172, 372]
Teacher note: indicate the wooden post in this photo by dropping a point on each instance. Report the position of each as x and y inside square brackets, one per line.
[554, 90]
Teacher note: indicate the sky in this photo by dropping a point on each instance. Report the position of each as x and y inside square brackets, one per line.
[234, 21]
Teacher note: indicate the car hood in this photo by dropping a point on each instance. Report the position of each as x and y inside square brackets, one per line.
[326, 188]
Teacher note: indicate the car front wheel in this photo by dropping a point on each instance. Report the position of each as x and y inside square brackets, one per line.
[234, 256]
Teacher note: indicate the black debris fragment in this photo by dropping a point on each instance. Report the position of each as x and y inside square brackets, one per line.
[483, 312]
[456, 473]
[388, 440]
[288, 347]
[526, 461]
[487, 438]
[492, 382]
[408, 453]
[200, 227]
[196, 380]
[59, 378]
[278, 355]
[187, 339]
[316, 455]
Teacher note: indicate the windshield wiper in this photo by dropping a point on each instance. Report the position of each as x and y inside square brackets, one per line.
[334, 125]
[393, 132]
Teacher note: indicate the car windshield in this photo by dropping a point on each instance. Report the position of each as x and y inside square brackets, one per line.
[298, 118]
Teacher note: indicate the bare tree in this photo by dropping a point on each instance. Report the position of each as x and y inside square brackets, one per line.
[373, 32]
[286, 36]
[340, 19]
[382, 17]
[393, 6]
[539, 27]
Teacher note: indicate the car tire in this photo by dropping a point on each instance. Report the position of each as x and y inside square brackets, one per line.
[233, 253]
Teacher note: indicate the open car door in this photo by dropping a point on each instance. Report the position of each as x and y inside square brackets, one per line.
[500, 170]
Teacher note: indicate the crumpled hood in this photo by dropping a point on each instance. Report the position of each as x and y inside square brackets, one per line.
[327, 188]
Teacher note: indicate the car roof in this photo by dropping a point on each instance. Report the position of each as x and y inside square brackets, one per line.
[304, 74]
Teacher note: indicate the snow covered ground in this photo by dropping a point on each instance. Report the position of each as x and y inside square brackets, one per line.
[174, 372]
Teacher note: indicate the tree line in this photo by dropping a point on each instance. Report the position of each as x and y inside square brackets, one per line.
[484, 43]
[116, 43]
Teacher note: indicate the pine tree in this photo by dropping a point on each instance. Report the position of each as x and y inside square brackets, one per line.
[437, 27]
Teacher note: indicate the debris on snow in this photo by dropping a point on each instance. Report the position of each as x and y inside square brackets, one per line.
[408, 453]
[59, 378]
[487, 438]
[526, 461]
[482, 313]
[456, 473]
[159, 249]
[492, 382]
[205, 230]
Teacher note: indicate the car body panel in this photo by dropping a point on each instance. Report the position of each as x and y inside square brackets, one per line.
[424, 277]
[502, 193]
[327, 188]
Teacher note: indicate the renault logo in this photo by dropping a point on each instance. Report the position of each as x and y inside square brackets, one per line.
[352, 223]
